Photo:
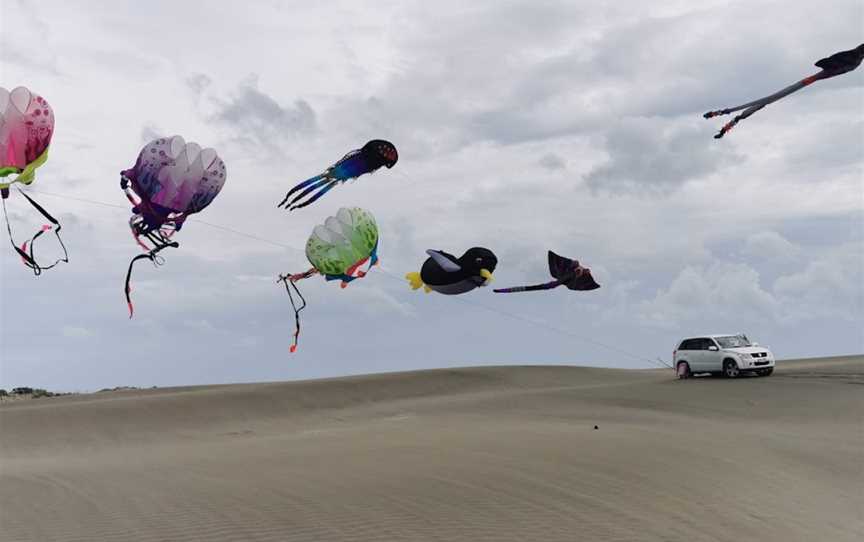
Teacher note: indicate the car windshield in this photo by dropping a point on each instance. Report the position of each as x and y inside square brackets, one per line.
[733, 341]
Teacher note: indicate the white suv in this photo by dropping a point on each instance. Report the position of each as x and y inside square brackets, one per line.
[729, 355]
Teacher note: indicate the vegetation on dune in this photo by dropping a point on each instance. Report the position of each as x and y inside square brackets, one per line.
[26, 392]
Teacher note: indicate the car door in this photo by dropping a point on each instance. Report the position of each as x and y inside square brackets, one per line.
[712, 360]
[686, 352]
[696, 355]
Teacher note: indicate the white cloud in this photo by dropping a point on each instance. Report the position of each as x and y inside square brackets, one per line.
[723, 293]
[770, 245]
[830, 286]
[647, 156]
[77, 332]
[255, 116]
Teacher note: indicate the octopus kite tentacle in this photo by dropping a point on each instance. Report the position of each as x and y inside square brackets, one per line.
[304, 184]
[326, 188]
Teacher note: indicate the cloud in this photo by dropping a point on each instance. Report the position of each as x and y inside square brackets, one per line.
[828, 287]
[723, 292]
[151, 131]
[77, 332]
[376, 302]
[257, 117]
[199, 325]
[647, 156]
[16, 41]
[770, 245]
[552, 162]
[198, 83]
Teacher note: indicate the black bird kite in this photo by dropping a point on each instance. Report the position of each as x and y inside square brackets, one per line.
[565, 271]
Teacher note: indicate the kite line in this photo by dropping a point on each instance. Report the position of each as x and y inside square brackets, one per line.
[654, 363]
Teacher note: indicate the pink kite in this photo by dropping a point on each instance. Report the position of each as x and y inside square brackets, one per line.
[26, 127]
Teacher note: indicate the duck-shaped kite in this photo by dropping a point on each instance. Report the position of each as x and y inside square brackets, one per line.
[449, 275]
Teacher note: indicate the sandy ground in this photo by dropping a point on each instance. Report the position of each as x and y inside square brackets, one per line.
[478, 454]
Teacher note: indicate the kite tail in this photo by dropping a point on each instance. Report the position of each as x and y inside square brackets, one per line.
[768, 99]
[30, 259]
[291, 282]
[327, 186]
[754, 106]
[534, 288]
[712, 114]
[149, 256]
[731, 124]
[299, 186]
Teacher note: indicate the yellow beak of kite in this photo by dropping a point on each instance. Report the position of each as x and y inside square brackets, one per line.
[486, 275]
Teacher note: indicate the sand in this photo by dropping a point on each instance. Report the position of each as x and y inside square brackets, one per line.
[475, 454]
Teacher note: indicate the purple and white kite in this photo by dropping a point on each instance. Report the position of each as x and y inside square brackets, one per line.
[170, 180]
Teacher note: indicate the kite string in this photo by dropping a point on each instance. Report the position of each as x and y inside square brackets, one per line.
[654, 363]
[543, 325]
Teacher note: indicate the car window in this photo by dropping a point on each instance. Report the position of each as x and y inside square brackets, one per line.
[733, 341]
[689, 344]
[705, 343]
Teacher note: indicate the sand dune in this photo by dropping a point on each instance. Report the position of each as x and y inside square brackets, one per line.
[476, 454]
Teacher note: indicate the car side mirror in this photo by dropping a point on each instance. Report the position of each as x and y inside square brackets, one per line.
[713, 348]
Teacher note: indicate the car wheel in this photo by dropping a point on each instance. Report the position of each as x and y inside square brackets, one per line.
[766, 372]
[730, 369]
[684, 370]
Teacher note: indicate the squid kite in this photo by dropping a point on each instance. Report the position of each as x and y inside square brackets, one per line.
[565, 271]
[832, 66]
[26, 127]
[371, 157]
[172, 179]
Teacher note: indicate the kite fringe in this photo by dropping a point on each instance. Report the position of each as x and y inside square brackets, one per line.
[290, 281]
[29, 259]
[161, 244]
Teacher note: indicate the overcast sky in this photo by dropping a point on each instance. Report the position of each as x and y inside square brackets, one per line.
[521, 127]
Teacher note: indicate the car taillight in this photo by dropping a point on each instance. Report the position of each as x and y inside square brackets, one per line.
[674, 352]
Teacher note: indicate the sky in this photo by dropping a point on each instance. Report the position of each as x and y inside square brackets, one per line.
[522, 126]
